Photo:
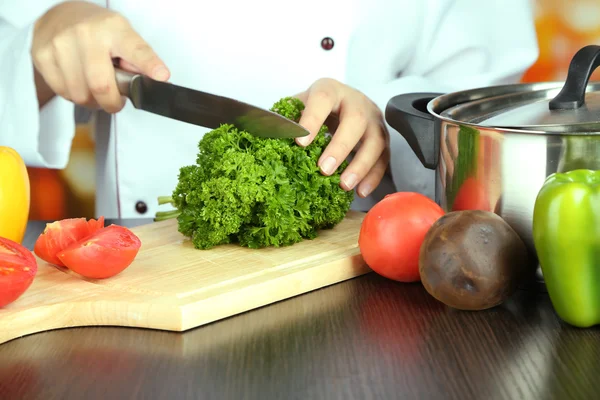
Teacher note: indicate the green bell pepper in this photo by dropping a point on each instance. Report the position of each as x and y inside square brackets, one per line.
[566, 235]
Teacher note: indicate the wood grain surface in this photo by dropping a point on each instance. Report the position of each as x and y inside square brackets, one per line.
[366, 338]
[173, 286]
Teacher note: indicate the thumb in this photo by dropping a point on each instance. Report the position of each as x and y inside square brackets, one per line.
[127, 66]
[137, 56]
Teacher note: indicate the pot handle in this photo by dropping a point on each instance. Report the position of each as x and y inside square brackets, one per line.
[572, 94]
[407, 113]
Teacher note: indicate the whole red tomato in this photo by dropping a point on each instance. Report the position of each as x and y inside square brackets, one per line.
[392, 233]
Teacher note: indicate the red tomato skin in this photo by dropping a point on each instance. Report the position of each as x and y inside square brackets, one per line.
[24, 269]
[392, 232]
[59, 235]
[104, 254]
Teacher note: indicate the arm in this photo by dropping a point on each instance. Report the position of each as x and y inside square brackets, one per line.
[467, 44]
[60, 54]
[41, 135]
[431, 46]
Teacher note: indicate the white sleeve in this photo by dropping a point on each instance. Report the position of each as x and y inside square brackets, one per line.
[463, 44]
[42, 137]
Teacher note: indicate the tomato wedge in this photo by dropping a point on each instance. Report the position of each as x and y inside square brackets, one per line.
[105, 253]
[60, 234]
[18, 267]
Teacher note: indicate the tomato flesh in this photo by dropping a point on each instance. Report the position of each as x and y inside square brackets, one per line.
[60, 234]
[18, 268]
[104, 254]
[393, 231]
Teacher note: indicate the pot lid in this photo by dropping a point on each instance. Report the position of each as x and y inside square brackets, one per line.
[549, 107]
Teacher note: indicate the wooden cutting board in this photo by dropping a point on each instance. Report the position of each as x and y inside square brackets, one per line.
[172, 286]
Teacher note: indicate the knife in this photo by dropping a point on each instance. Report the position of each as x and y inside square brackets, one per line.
[203, 109]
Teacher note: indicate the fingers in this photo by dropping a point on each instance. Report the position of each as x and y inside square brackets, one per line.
[375, 175]
[72, 49]
[126, 65]
[367, 161]
[48, 69]
[67, 60]
[302, 96]
[352, 127]
[135, 51]
[321, 99]
[360, 121]
[100, 78]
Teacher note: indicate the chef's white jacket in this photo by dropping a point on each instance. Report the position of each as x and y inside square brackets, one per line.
[258, 52]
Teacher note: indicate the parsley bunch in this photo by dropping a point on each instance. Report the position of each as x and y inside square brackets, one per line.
[256, 191]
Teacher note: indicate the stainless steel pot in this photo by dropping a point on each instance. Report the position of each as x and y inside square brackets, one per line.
[493, 147]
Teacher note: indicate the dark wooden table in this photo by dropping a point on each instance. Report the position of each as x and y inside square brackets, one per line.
[367, 338]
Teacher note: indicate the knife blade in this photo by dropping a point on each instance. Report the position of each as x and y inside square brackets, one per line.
[203, 109]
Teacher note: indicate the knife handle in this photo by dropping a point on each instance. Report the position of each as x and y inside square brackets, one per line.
[124, 80]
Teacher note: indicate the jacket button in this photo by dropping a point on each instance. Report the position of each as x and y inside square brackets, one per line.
[327, 43]
[141, 207]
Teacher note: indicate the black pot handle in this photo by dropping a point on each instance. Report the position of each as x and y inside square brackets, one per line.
[583, 64]
[407, 113]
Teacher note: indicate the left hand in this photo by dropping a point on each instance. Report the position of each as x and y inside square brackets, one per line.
[360, 123]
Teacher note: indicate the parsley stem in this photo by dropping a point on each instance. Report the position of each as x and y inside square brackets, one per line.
[164, 215]
[165, 200]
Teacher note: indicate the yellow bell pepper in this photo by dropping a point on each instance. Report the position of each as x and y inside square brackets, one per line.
[14, 195]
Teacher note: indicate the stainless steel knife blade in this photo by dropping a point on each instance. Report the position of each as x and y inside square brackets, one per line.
[203, 109]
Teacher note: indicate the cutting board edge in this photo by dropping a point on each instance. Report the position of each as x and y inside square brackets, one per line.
[77, 315]
[357, 268]
[41, 323]
[89, 312]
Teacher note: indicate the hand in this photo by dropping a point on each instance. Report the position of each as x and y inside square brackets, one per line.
[73, 47]
[360, 123]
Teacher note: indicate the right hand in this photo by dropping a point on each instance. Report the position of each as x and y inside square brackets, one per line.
[73, 46]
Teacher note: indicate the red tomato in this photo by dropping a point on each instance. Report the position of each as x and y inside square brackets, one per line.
[471, 196]
[61, 234]
[392, 233]
[105, 253]
[18, 267]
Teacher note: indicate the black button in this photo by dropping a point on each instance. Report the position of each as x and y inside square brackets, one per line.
[327, 43]
[141, 207]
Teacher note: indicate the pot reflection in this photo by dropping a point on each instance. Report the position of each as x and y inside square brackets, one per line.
[468, 168]
[525, 165]
[485, 170]
[577, 152]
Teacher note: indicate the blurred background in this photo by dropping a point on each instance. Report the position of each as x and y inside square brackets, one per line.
[563, 27]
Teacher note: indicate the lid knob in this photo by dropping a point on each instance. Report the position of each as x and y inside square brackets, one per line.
[583, 64]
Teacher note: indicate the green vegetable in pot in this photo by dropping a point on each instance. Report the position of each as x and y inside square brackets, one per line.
[256, 191]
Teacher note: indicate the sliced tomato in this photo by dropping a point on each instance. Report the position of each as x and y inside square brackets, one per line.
[18, 267]
[105, 253]
[96, 224]
[60, 234]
